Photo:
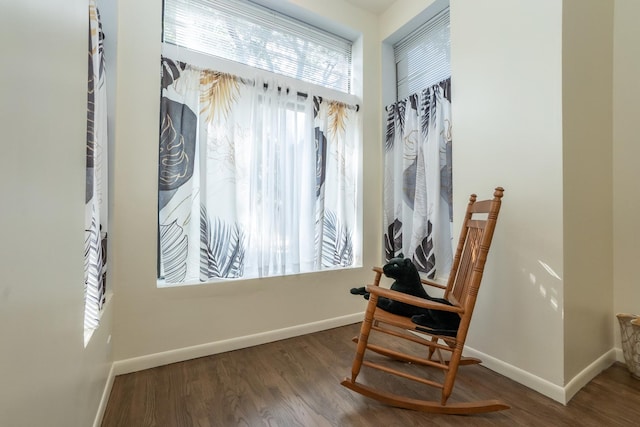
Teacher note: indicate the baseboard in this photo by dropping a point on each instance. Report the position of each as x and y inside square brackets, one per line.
[179, 355]
[521, 376]
[553, 391]
[620, 355]
[588, 373]
[97, 422]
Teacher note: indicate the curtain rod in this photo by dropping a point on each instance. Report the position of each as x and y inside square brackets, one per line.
[306, 95]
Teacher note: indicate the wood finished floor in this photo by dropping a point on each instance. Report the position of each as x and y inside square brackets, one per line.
[296, 382]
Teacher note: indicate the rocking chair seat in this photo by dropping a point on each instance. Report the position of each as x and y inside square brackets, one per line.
[426, 323]
[423, 325]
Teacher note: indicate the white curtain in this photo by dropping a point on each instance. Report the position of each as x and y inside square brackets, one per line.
[255, 179]
[418, 210]
[95, 245]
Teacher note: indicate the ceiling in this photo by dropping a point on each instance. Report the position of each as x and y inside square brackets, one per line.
[375, 6]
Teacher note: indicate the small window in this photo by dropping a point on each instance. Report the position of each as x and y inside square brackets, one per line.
[418, 205]
[96, 184]
[423, 58]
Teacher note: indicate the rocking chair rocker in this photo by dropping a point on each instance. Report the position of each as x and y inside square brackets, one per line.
[461, 291]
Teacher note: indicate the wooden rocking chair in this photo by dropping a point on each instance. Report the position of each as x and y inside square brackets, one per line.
[461, 291]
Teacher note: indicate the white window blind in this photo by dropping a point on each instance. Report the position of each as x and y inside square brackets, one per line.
[423, 58]
[253, 35]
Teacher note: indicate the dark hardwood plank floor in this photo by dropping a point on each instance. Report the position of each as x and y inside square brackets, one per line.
[296, 382]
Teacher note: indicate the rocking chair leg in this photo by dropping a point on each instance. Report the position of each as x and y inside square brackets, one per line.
[364, 337]
[451, 374]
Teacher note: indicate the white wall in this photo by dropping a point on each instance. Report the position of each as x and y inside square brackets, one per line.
[149, 320]
[587, 64]
[507, 106]
[47, 376]
[626, 157]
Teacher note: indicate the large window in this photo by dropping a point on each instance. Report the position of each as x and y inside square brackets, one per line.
[244, 32]
[258, 168]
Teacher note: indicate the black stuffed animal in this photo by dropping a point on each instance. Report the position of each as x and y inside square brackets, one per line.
[407, 280]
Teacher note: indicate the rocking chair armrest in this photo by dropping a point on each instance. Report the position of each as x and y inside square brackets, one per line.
[427, 282]
[412, 300]
[432, 283]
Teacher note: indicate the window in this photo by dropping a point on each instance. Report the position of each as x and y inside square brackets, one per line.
[423, 58]
[418, 208]
[96, 191]
[261, 38]
[258, 169]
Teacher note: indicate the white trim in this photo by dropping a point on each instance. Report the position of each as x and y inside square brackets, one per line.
[88, 332]
[179, 355]
[588, 373]
[620, 355]
[521, 376]
[558, 393]
[162, 284]
[202, 60]
[102, 407]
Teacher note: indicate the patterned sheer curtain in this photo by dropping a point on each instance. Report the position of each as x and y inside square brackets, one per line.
[255, 179]
[95, 244]
[418, 211]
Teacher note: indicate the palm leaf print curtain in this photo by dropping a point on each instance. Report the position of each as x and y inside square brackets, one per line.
[418, 210]
[254, 179]
[95, 245]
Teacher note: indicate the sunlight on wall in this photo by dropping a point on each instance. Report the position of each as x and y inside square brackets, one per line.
[547, 292]
[549, 270]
